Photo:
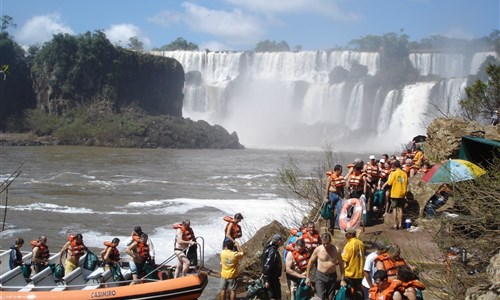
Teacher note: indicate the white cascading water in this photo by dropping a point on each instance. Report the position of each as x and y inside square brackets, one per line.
[286, 100]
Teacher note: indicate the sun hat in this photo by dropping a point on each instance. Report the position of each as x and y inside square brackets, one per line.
[372, 156]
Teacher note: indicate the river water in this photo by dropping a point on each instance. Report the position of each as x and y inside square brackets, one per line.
[104, 192]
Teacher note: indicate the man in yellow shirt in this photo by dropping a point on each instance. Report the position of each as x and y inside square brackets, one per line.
[398, 180]
[354, 259]
[229, 273]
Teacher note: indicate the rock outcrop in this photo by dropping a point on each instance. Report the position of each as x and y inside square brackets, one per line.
[486, 291]
[445, 134]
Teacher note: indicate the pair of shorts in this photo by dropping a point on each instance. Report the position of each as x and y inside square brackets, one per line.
[397, 202]
[232, 283]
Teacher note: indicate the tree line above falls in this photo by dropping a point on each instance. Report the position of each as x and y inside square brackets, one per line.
[84, 90]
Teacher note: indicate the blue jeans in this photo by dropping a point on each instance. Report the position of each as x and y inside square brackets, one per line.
[337, 202]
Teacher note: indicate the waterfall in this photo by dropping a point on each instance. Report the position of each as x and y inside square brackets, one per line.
[293, 99]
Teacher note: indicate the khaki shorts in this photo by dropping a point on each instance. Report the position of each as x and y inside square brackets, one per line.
[232, 283]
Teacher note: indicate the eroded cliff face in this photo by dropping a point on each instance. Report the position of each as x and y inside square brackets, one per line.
[444, 136]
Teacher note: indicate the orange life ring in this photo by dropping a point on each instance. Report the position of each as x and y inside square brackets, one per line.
[355, 219]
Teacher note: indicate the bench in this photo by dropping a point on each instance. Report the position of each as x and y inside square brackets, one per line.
[13, 280]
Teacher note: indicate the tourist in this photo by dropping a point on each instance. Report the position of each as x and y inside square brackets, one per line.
[372, 170]
[382, 289]
[389, 261]
[296, 266]
[111, 255]
[233, 228]
[229, 260]
[74, 249]
[398, 180]
[134, 236]
[40, 254]
[139, 251]
[354, 257]
[334, 194]
[406, 284]
[272, 267]
[327, 257]
[15, 256]
[184, 239]
[357, 181]
[370, 268]
[310, 236]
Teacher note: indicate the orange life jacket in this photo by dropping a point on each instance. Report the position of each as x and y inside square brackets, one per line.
[290, 247]
[44, 250]
[235, 229]
[75, 248]
[390, 265]
[115, 253]
[356, 180]
[187, 234]
[143, 249]
[384, 173]
[402, 286]
[372, 170]
[301, 260]
[375, 294]
[311, 241]
[337, 180]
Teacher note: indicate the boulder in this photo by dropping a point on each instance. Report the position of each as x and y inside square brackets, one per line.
[251, 265]
[493, 270]
[445, 134]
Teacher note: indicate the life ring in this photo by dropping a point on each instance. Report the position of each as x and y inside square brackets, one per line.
[355, 220]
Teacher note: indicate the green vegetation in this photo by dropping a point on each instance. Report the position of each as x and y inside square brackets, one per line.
[271, 46]
[482, 98]
[178, 44]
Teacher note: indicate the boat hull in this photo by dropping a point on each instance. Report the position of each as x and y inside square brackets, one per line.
[184, 288]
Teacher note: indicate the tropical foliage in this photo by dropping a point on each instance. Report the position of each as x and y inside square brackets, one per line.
[179, 44]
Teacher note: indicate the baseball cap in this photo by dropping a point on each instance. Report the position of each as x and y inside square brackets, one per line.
[382, 160]
[277, 237]
[372, 156]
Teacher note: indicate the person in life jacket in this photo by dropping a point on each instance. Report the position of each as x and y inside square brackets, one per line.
[382, 288]
[134, 236]
[73, 249]
[334, 193]
[233, 228]
[139, 251]
[372, 170]
[389, 261]
[357, 182]
[385, 171]
[184, 238]
[296, 266]
[40, 256]
[310, 236]
[406, 284]
[111, 255]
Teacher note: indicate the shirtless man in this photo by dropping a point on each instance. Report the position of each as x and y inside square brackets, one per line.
[328, 258]
[184, 238]
[74, 249]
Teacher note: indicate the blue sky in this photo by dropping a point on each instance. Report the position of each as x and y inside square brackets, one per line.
[240, 24]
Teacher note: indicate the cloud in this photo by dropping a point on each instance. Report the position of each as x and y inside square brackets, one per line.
[327, 8]
[234, 26]
[119, 34]
[40, 29]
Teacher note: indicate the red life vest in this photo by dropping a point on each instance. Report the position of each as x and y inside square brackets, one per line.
[301, 260]
[402, 286]
[143, 249]
[44, 250]
[390, 265]
[384, 173]
[311, 241]
[75, 248]
[187, 234]
[235, 229]
[115, 253]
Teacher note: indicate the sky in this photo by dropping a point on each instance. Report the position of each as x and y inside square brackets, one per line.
[241, 24]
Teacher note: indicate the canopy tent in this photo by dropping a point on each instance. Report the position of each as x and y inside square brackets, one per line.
[478, 150]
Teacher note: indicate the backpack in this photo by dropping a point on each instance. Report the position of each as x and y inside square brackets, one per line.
[91, 261]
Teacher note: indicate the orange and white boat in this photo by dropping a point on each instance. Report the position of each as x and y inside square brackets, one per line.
[100, 284]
